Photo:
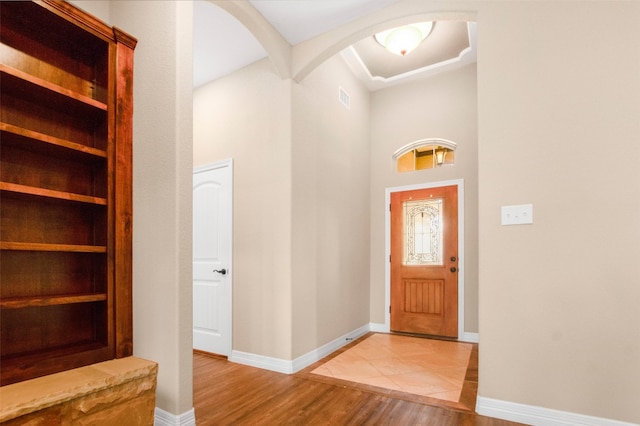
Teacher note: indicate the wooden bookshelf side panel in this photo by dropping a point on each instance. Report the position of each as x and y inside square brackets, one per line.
[123, 198]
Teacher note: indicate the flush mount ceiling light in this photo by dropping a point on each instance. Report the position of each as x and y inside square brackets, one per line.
[402, 40]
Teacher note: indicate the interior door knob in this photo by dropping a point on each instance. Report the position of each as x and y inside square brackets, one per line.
[453, 269]
[221, 271]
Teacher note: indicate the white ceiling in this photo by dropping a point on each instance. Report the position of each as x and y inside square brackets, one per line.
[300, 20]
[223, 45]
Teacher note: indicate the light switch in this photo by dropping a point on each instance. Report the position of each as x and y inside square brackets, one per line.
[517, 215]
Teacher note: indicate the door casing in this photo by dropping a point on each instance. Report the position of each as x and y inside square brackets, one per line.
[461, 252]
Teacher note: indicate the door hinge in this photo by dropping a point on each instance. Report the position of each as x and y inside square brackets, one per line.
[389, 308]
[389, 258]
[389, 206]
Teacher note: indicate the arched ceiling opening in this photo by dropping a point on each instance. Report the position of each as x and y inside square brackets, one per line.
[242, 32]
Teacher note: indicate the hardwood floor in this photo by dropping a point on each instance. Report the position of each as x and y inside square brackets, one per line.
[227, 393]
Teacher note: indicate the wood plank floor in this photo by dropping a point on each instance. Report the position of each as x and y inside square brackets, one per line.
[227, 393]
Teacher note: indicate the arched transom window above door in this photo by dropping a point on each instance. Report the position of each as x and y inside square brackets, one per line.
[425, 154]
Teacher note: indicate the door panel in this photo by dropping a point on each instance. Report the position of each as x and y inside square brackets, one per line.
[211, 253]
[424, 254]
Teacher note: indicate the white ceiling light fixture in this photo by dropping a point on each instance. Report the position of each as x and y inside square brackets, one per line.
[402, 40]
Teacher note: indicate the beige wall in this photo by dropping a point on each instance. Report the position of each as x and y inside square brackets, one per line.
[553, 334]
[300, 203]
[246, 116]
[558, 84]
[330, 207]
[99, 8]
[559, 317]
[444, 106]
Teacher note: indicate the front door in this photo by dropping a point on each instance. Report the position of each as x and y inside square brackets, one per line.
[212, 211]
[424, 261]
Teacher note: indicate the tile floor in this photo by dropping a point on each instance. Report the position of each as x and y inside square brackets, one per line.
[425, 367]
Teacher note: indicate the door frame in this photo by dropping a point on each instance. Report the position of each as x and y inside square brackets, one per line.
[203, 168]
[459, 183]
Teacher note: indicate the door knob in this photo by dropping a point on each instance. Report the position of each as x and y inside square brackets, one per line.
[453, 269]
[221, 271]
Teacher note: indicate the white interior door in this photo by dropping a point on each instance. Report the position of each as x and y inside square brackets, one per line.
[212, 231]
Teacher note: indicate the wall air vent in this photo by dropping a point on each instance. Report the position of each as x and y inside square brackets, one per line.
[344, 98]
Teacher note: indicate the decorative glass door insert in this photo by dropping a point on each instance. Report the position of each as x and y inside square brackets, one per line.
[422, 232]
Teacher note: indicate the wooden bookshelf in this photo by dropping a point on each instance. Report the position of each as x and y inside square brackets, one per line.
[65, 189]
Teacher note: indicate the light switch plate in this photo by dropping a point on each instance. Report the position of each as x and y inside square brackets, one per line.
[517, 215]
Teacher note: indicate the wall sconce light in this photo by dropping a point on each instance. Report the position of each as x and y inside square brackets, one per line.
[402, 40]
[440, 155]
[425, 154]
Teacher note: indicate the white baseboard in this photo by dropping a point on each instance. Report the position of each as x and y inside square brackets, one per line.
[164, 418]
[324, 350]
[290, 367]
[260, 361]
[378, 327]
[470, 337]
[538, 416]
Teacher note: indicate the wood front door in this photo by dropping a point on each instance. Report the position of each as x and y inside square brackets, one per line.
[424, 261]
[212, 212]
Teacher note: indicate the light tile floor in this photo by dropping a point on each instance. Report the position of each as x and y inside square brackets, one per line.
[426, 367]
